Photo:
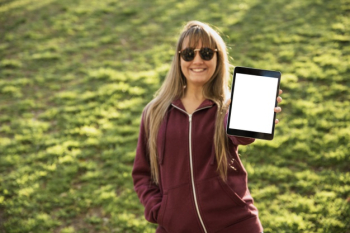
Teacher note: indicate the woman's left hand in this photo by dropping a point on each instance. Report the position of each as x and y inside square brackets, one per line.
[278, 109]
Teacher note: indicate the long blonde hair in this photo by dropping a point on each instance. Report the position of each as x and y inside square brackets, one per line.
[216, 89]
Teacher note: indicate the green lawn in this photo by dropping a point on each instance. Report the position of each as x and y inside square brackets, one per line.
[75, 76]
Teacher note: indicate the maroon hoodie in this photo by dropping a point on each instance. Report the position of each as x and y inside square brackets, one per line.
[191, 197]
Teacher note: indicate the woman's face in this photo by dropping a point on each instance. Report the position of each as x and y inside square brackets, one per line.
[197, 71]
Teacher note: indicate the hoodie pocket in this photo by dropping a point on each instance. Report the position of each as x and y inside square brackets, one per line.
[177, 211]
[162, 209]
[230, 193]
[220, 206]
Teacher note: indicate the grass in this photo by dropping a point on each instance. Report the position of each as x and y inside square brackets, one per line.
[74, 78]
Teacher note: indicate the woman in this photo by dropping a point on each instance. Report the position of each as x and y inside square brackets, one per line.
[187, 172]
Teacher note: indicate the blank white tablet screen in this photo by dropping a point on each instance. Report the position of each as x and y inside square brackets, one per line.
[252, 107]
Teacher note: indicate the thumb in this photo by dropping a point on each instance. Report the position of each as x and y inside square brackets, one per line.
[227, 103]
[225, 106]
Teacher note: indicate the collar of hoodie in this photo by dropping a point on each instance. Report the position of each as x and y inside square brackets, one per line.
[163, 127]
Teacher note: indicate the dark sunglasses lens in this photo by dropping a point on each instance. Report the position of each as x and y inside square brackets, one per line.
[206, 53]
[187, 54]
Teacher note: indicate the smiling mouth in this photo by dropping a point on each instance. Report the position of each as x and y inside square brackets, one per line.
[197, 70]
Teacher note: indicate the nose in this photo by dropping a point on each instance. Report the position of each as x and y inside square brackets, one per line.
[197, 57]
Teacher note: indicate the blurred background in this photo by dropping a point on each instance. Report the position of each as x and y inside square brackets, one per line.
[75, 76]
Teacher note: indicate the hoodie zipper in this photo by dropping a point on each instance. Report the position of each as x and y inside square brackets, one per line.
[191, 163]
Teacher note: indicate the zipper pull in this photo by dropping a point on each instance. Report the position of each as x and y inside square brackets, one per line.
[190, 119]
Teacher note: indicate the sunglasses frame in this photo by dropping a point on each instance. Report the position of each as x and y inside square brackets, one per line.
[195, 50]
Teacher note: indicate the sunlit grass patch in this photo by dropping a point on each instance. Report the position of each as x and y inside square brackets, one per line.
[10, 63]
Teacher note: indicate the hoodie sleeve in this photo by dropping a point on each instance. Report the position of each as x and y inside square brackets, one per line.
[238, 140]
[148, 193]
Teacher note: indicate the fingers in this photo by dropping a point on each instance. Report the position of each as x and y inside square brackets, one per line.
[278, 109]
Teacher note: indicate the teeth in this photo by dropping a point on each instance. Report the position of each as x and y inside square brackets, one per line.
[197, 70]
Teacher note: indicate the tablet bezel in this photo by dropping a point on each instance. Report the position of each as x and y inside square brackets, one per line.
[257, 72]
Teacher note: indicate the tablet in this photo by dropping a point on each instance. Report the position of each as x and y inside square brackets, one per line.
[253, 99]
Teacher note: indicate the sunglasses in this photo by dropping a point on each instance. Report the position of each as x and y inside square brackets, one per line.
[206, 54]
